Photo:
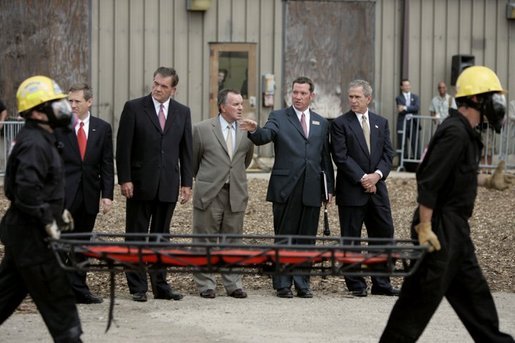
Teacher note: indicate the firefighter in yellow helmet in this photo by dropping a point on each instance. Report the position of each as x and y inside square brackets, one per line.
[34, 183]
[447, 186]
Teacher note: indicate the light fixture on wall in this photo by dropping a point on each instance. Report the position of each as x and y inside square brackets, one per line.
[198, 5]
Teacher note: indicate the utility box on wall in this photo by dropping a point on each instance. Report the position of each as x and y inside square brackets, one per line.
[510, 11]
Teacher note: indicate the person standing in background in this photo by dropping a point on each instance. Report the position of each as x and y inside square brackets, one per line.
[154, 163]
[87, 153]
[362, 152]
[222, 76]
[440, 104]
[221, 154]
[408, 105]
[302, 154]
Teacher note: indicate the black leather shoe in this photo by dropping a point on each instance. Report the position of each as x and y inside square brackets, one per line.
[87, 298]
[139, 296]
[388, 292]
[284, 293]
[238, 294]
[208, 294]
[304, 293]
[359, 293]
[170, 295]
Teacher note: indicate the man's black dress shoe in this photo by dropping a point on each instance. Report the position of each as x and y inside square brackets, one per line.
[304, 293]
[208, 294]
[284, 293]
[87, 298]
[359, 292]
[238, 293]
[139, 296]
[388, 292]
[170, 295]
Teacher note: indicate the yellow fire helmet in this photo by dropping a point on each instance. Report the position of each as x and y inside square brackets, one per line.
[37, 90]
[477, 80]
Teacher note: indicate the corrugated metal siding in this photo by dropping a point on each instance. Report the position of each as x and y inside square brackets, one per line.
[130, 39]
[439, 29]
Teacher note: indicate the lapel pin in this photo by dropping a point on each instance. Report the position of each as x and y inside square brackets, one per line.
[315, 122]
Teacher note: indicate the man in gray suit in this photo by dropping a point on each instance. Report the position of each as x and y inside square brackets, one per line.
[301, 145]
[221, 153]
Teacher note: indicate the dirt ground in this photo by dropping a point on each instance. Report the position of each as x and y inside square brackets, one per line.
[331, 316]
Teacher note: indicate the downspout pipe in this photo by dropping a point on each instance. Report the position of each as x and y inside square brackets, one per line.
[405, 41]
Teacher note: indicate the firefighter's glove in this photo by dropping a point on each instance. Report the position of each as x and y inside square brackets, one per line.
[67, 221]
[426, 236]
[498, 179]
[52, 230]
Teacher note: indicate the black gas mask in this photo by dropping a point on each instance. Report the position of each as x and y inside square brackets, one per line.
[493, 107]
[59, 114]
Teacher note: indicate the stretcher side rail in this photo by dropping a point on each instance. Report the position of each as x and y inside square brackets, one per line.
[243, 254]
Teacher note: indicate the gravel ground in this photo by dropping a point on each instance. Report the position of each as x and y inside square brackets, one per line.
[261, 317]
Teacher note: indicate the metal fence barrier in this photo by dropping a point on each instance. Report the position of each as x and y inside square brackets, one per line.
[414, 141]
[8, 132]
[496, 146]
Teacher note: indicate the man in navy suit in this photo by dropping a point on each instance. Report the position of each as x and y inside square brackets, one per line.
[408, 104]
[301, 145]
[154, 163]
[362, 152]
[89, 174]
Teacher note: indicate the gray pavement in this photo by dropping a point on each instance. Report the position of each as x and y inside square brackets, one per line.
[260, 318]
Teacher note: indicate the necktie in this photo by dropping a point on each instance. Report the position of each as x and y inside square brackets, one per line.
[303, 124]
[162, 118]
[366, 131]
[228, 141]
[408, 100]
[83, 141]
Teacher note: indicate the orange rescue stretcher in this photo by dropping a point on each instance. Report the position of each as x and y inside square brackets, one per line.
[245, 254]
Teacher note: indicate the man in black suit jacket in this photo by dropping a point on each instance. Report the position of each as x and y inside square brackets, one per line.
[153, 158]
[295, 184]
[363, 153]
[408, 104]
[89, 178]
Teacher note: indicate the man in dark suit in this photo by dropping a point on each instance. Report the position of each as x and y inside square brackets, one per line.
[301, 145]
[221, 153]
[408, 104]
[87, 153]
[154, 162]
[362, 152]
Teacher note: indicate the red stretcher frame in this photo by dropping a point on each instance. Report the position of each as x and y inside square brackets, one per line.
[243, 254]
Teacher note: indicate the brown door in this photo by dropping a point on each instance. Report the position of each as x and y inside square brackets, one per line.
[233, 65]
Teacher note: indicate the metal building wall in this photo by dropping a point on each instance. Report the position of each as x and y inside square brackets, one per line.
[437, 30]
[130, 39]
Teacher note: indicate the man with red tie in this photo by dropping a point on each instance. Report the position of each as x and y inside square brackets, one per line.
[301, 146]
[154, 165]
[87, 153]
